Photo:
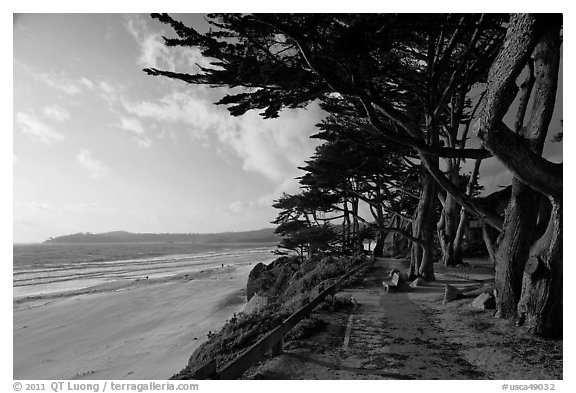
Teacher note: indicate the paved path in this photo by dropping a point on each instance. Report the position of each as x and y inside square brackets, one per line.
[403, 335]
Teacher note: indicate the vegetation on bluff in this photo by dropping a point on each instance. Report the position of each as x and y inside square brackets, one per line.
[294, 290]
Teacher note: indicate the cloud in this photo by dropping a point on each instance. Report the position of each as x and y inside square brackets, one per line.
[32, 205]
[289, 186]
[107, 88]
[154, 53]
[238, 206]
[87, 161]
[37, 130]
[59, 83]
[273, 147]
[137, 129]
[112, 94]
[266, 146]
[57, 113]
[86, 82]
[82, 207]
[199, 115]
[63, 83]
[245, 214]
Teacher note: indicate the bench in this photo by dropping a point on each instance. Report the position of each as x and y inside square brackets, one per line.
[391, 285]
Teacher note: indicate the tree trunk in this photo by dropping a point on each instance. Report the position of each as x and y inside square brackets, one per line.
[358, 245]
[540, 306]
[421, 264]
[400, 244]
[462, 226]
[379, 246]
[527, 278]
[345, 227]
[489, 240]
[513, 246]
[448, 225]
[463, 223]
[381, 234]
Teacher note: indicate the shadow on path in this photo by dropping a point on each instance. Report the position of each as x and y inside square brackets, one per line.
[390, 336]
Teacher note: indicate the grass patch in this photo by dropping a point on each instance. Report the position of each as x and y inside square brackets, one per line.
[336, 303]
[305, 328]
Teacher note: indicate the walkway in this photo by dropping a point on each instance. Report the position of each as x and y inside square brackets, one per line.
[404, 335]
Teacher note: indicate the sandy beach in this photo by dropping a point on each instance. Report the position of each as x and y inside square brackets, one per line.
[126, 329]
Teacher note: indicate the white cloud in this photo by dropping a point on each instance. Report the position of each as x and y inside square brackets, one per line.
[57, 113]
[63, 83]
[239, 206]
[32, 205]
[274, 148]
[289, 185]
[59, 83]
[82, 207]
[87, 161]
[154, 53]
[245, 214]
[36, 129]
[86, 82]
[199, 115]
[135, 126]
[132, 124]
[112, 94]
[271, 147]
[106, 88]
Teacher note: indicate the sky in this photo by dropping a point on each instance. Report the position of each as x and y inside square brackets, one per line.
[98, 145]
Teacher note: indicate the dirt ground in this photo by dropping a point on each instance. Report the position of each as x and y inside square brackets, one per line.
[412, 335]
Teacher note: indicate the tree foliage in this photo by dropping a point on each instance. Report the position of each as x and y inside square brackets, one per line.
[397, 90]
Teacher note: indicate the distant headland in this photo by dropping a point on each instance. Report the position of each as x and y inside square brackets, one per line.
[256, 236]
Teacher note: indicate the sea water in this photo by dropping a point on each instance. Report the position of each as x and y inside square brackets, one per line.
[40, 269]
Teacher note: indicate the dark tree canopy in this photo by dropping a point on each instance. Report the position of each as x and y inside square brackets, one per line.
[396, 89]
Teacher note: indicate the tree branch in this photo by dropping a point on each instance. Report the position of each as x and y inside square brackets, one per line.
[409, 141]
[454, 75]
[511, 149]
[406, 235]
[482, 213]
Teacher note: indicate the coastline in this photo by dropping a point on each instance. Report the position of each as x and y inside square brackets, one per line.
[137, 329]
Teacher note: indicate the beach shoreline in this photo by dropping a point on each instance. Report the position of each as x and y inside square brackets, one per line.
[126, 329]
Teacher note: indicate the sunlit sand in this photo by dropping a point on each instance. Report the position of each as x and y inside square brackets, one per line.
[132, 327]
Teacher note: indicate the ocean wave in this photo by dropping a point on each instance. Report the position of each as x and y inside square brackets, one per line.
[43, 279]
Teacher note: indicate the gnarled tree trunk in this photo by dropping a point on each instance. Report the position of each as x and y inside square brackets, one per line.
[345, 226]
[379, 246]
[381, 233]
[421, 263]
[536, 37]
[400, 244]
[513, 246]
[540, 306]
[448, 225]
[463, 223]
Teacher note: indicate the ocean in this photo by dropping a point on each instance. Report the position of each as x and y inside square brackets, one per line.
[40, 269]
